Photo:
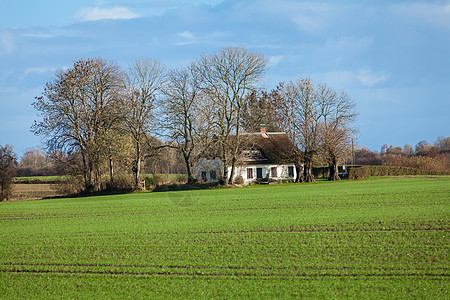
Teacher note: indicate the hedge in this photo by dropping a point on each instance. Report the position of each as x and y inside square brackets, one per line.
[360, 172]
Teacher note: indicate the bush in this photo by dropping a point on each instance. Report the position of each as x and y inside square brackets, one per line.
[239, 180]
[71, 185]
[8, 164]
[182, 178]
[149, 182]
[158, 179]
[122, 182]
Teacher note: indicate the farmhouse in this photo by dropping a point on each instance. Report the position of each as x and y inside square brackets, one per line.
[267, 156]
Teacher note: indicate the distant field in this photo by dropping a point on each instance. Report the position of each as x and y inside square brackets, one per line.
[38, 187]
[34, 187]
[377, 238]
[32, 191]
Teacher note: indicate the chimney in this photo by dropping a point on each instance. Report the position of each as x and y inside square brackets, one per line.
[263, 131]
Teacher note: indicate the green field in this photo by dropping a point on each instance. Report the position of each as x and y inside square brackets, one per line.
[39, 179]
[378, 238]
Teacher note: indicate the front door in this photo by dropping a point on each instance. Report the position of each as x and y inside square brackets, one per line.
[259, 173]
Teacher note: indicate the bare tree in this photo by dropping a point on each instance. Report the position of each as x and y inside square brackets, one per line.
[182, 118]
[78, 108]
[297, 111]
[145, 78]
[258, 112]
[338, 116]
[228, 75]
[8, 164]
[33, 158]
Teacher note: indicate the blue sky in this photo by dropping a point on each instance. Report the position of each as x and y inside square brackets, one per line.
[391, 57]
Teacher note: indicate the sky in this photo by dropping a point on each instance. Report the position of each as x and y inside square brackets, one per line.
[391, 57]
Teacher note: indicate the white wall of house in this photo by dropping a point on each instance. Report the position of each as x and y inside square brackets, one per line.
[267, 171]
[211, 170]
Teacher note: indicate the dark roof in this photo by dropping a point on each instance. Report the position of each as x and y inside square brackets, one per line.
[268, 148]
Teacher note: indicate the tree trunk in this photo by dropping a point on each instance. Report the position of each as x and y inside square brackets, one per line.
[299, 171]
[137, 168]
[307, 169]
[2, 195]
[233, 163]
[87, 180]
[111, 172]
[225, 165]
[90, 176]
[190, 176]
[334, 171]
[235, 151]
[98, 179]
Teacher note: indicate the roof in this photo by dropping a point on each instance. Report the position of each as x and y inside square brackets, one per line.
[268, 148]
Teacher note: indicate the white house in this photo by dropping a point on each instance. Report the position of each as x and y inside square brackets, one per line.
[269, 156]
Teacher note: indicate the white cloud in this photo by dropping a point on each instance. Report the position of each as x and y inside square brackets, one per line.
[39, 70]
[6, 42]
[186, 34]
[98, 13]
[38, 35]
[369, 78]
[275, 60]
[346, 79]
[188, 37]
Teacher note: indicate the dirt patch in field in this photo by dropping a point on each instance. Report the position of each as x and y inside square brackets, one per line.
[23, 192]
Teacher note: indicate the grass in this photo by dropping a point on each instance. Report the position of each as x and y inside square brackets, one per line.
[376, 238]
[38, 179]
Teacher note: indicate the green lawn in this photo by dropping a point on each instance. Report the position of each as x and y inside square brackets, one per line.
[377, 238]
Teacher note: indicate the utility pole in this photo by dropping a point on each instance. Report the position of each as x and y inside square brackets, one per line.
[353, 154]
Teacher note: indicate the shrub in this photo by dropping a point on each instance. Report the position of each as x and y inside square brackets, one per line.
[153, 180]
[239, 180]
[122, 182]
[182, 178]
[8, 164]
[356, 172]
[70, 185]
[149, 182]
[158, 179]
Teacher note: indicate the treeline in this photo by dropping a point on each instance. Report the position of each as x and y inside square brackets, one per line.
[427, 157]
[101, 121]
[37, 162]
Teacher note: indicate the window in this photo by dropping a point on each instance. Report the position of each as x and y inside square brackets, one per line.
[212, 174]
[249, 173]
[203, 175]
[291, 171]
[273, 172]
